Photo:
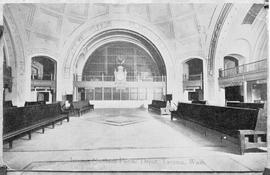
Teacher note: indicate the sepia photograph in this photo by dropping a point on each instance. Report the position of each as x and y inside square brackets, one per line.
[134, 87]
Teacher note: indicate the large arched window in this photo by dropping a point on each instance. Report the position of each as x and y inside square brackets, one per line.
[144, 74]
[138, 64]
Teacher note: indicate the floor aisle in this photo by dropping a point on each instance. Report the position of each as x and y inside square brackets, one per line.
[126, 140]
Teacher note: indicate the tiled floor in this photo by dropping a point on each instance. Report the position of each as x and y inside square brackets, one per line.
[127, 140]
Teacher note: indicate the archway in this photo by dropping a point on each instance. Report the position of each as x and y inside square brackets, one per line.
[193, 81]
[145, 71]
[95, 34]
[43, 79]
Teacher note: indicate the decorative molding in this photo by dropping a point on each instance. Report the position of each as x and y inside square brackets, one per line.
[76, 43]
[42, 51]
[58, 17]
[118, 8]
[215, 36]
[139, 10]
[75, 20]
[27, 33]
[74, 24]
[92, 32]
[159, 13]
[56, 7]
[166, 28]
[96, 9]
[78, 10]
[19, 50]
[31, 15]
[47, 37]
[9, 45]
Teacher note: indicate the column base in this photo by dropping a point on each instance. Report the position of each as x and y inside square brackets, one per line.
[3, 170]
[266, 171]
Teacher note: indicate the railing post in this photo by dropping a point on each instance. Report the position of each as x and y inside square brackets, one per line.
[220, 73]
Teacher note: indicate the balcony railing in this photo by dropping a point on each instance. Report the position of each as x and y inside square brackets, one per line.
[245, 68]
[78, 77]
[42, 77]
[194, 77]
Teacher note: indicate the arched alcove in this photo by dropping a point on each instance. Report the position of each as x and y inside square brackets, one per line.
[193, 75]
[88, 40]
[43, 79]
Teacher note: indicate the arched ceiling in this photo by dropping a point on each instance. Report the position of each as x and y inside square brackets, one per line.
[50, 25]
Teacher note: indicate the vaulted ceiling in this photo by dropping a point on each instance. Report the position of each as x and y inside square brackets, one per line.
[50, 25]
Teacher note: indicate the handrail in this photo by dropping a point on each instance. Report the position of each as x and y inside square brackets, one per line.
[244, 68]
[79, 77]
[193, 77]
[42, 76]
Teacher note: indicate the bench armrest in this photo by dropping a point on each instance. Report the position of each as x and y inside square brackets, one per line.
[250, 132]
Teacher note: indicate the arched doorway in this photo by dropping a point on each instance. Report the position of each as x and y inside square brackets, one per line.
[43, 79]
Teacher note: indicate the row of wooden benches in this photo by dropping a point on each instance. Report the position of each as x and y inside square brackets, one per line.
[78, 107]
[246, 122]
[21, 121]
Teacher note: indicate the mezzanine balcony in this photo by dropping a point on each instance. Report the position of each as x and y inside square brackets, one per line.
[192, 81]
[246, 72]
[109, 81]
[42, 80]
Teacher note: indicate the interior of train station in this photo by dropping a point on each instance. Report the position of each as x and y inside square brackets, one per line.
[134, 88]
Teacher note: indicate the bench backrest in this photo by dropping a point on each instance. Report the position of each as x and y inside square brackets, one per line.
[246, 105]
[7, 104]
[199, 102]
[80, 104]
[159, 103]
[33, 103]
[262, 119]
[226, 118]
[21, 117]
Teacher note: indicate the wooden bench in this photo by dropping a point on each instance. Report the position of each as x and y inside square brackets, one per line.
[240, 123]
[81, 107]
[245, 105]
[156, 106]
[257, 137]
[69, 110]
[33, 103]
[198, 102]
[8, 104]
[22, 121]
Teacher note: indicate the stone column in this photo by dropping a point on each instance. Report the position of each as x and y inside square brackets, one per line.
[3, 168]
[267, 168]
[245, 94]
